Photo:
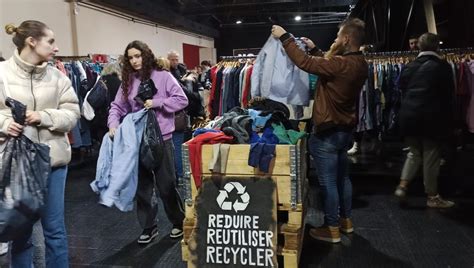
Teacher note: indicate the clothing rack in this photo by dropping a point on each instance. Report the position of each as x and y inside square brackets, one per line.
[411, 53]
[237, 57]
[69, 58]
[458, 50]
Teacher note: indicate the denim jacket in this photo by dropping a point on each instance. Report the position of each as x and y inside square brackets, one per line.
[117, 166]
[276, 77]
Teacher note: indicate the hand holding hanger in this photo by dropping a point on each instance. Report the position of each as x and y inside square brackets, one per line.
[278, 31]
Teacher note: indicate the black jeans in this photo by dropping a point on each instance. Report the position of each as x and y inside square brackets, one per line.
[163, 180]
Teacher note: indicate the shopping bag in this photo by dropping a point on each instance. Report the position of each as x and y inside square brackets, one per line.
[24, 172]
[152, 145]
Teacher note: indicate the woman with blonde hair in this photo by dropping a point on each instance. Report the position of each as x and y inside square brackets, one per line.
[52, 112]
[163, 63]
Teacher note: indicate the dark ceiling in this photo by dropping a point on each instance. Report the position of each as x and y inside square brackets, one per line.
[390, 23]
[211, 17]
[225, 13]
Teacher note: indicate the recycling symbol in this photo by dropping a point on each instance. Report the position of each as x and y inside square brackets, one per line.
[238, 205]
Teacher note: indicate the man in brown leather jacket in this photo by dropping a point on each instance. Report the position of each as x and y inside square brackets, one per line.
[342, 72]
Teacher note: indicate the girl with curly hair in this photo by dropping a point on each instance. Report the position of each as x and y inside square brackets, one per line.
[139, 64]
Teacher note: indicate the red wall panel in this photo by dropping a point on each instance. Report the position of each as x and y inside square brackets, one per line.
[190, 55]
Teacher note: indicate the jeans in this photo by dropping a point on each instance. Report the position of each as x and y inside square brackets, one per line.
[178, 140]
[52, 219]
[329, 152]
[37, 238]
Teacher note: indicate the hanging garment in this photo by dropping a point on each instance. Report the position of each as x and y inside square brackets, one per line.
[246, 96]
[276, 77]
[462, 96]
[470, 110]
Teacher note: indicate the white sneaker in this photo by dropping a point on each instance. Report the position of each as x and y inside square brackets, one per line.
[400, 191]
[3, 248]
[176, 232]
[354, 150]
[148, 235]
[438, 202]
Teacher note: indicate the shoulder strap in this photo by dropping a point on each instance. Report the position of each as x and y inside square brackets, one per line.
[3, 77]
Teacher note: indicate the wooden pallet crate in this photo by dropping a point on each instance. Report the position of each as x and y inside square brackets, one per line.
[287, 169]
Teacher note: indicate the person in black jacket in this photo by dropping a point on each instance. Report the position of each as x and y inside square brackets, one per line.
[111, 77]
[426, 117]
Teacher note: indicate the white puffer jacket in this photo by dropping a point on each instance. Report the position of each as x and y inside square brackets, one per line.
[44, 89]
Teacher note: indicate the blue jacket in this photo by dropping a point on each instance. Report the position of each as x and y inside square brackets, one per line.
[116, 176]
[276, 77]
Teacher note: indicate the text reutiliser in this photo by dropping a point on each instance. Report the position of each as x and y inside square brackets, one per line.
[237, 239]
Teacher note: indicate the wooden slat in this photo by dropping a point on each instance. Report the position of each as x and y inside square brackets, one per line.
[189, 222]
[189, 212]
[285, 252]
[237, 162]
[275, 230]
[184, 250]
[299, 207]
[283, 193]
[292, 241]
[191, 259]
[295, 218]
[290, 260]
[283, 188]
[187, 232]
[290, 229]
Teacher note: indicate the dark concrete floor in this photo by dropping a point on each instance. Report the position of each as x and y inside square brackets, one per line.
[387, 233]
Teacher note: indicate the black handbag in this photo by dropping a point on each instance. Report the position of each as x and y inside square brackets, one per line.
[152, 146]
[181, 121]
[146, 90]
[24, 172]
[98, 96]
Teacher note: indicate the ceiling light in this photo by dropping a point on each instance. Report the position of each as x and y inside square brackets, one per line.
[440, 42]
[298, 18]
[238, 22]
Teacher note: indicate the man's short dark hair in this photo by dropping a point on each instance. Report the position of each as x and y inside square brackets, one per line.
[414, 36]
[206, 63]
[2, 59]
[428, 42]
[355, 28]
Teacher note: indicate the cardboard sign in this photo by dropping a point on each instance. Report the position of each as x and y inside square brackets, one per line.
[236, 223]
